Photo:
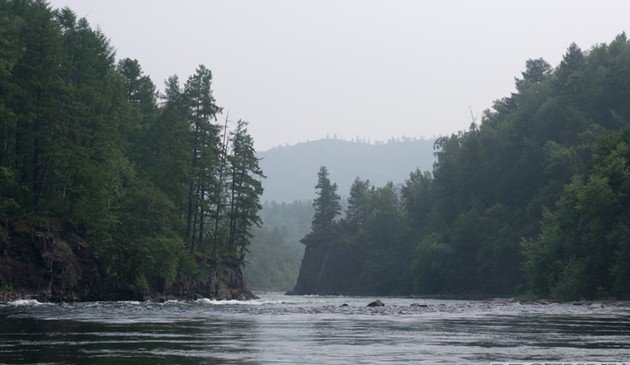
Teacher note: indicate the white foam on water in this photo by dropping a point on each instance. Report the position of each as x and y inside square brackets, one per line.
[26, 302]
[171, 301]
[130, 302]
[229, 302]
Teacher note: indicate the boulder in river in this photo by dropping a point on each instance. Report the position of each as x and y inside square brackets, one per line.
[376, 303]
[421, 305]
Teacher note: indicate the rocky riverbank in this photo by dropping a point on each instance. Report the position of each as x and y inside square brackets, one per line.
[48, 262]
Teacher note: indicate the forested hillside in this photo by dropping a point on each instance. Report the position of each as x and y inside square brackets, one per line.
[533, 201]
[150, 191]
[275, 254]
[291, 170]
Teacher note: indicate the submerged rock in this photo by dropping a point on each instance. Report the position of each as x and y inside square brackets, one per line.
[421, 305]
[376, 303]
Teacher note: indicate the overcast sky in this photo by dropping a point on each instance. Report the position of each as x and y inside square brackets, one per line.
[301, 70]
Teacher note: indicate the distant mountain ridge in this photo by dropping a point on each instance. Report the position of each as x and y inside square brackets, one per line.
[292, 170]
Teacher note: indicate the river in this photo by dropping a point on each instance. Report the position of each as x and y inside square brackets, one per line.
[313, 330]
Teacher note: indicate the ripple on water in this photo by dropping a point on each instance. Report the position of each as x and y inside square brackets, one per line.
[314, 329]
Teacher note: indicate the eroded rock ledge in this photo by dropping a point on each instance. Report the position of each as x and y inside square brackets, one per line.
[50, 263]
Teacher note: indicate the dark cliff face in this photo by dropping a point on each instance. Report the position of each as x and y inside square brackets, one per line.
[44, 262]
[48, 262]
[330, 266]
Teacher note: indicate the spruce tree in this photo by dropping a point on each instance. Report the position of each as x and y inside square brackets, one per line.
[326, 205]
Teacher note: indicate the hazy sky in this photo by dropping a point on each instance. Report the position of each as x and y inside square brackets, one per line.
[299, 70]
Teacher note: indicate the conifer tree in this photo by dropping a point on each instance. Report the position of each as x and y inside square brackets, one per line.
[358, 203]
[327, 206]
[86, 147]
[204, 153]
[245, 189]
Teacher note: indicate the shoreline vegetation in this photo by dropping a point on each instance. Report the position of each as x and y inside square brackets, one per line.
[112, 190]
[533, 201]
[109, 189]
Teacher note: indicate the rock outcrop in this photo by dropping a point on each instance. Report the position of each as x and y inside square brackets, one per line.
[329, 267]
[48, 262]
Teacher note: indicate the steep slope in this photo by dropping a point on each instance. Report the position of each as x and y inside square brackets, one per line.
[47, 261]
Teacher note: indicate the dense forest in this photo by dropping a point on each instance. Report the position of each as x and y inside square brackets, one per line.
[275, 254]
[533, 201]
[160, 191]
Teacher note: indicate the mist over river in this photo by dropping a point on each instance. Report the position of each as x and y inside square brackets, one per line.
[312, 329]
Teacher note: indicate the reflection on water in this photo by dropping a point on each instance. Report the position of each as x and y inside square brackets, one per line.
[314, 330]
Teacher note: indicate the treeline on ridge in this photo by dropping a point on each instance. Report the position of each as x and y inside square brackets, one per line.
[160, 189]
[533, 201]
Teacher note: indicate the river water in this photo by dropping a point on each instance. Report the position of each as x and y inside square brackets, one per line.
[313, 329]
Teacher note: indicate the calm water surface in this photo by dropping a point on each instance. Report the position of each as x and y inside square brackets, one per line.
[312, 329]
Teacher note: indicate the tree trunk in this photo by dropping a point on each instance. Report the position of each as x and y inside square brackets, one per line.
[37, 166]
[201, 212]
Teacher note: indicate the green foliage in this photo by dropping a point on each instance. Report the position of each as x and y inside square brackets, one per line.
[326, 204]
[535, 198]
[145, 242]
[582, 251]
[432, 269]
[9, 204]
[492, 184]
[416, 196]
[358, 204]
[245, 188]
[374, 236]
[384, 244]
[84, 141]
